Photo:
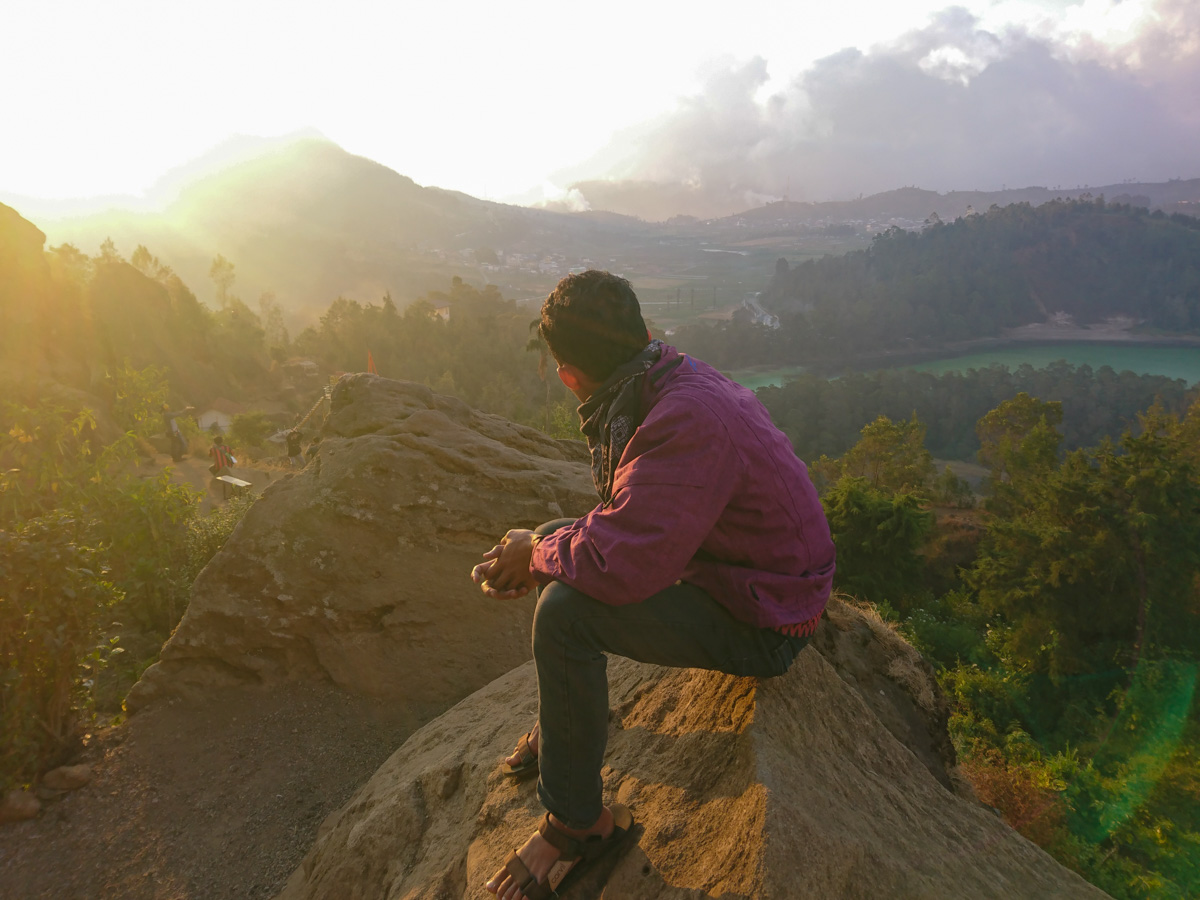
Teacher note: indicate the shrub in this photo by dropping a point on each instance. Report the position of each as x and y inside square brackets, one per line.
[878, 537]
[1027, 794]
[141, 526]
[138, 396]
[251, 429]
[54, 597]
[948, 631]
[950, 490]
[207, 534]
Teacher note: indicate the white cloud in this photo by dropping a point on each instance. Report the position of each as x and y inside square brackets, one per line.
[951, 105]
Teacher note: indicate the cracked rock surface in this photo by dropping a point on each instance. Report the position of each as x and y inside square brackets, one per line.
[794, 787]
[354, 571]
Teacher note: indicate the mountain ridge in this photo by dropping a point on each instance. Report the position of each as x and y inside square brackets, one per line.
[310, 222]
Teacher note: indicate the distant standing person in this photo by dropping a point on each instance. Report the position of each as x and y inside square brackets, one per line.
[222, 458]
[175, 437]
[293, 449]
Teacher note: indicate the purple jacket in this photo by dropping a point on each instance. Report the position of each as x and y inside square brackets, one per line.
[710, 492]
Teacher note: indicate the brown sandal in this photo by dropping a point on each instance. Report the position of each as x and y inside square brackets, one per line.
[528, 763]
[572, 852]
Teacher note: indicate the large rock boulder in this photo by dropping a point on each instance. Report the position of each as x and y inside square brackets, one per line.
[799, 786]
[355, 570]
[24, 272]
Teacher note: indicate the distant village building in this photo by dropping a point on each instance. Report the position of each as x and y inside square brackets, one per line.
[442, 312]
[220, 413]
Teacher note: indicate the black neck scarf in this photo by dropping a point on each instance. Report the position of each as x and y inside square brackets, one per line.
[610, 416]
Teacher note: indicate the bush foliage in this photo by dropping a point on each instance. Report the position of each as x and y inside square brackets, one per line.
[90, 551]
[55, 596]
[1069, 646]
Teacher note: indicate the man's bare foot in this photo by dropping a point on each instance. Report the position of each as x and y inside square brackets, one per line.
[534, 734]
[540, 857]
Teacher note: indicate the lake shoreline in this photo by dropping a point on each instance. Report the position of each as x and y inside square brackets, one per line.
[1046, 346]
[892, 359]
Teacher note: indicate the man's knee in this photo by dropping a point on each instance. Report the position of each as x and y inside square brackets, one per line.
[557, 609]
[552, 526]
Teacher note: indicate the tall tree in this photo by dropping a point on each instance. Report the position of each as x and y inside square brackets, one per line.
[1018, 441]
[1099, 561]
[221, 273]
[890, 456]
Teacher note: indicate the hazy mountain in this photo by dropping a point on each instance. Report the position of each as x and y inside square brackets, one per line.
[312, 222]
[654, 201]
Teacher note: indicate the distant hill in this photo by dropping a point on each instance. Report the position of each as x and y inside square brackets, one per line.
[312, 222]
[1008, 267]
[657, 202]
[917, 204]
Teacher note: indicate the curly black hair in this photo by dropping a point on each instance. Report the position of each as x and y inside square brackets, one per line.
[593, 321]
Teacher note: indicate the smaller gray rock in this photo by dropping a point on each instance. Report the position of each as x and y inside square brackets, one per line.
[67, 778]
[17, 806]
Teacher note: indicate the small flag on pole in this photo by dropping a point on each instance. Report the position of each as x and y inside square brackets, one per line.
[371, 364]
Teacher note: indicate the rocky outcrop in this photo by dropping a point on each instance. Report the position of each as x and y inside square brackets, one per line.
[17, 806]
[24, 274]
[799, 786]
[67, 778]
[355, 570]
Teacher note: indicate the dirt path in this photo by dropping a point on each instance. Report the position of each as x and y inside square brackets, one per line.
[207, 803]
[193, 470]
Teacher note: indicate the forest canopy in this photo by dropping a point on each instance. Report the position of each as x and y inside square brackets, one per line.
[1006, 267]
[970, 279]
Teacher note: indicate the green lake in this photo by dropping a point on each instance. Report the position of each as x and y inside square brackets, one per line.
[1174, 362]
[757, 378]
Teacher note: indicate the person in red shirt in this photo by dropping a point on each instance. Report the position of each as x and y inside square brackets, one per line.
[709, 549]
[222, 457]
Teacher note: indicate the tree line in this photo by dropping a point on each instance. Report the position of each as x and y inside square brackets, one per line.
[822, 416]
[484, 351]
[1063, 617]
[969, 279]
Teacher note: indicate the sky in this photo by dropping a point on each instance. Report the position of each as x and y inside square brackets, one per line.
[518, 101]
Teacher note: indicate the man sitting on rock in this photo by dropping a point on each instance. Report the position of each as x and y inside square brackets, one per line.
[709, 549]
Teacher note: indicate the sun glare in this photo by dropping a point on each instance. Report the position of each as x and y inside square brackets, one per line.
[469, 96]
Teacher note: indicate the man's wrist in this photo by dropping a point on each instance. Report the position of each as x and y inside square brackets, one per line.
[533, 545]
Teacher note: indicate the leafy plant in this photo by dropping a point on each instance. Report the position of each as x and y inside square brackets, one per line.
[251, 429]
[54, 597]
[890, 456]
[207, 534]
[138, 398]
[878, 538]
